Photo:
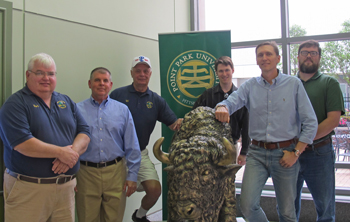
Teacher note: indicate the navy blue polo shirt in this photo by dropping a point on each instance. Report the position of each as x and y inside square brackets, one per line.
[146, 108]
[24, 116]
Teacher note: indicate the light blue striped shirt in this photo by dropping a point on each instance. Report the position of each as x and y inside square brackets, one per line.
[112, 134]
[277, 112]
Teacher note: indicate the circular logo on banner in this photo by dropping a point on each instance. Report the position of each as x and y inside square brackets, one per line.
[189, 75]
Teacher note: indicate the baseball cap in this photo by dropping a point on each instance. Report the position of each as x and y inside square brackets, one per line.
[141, 59]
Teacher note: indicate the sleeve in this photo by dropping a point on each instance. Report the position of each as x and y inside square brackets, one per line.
[82, 126]
[14, 122]
[306, 114]
[237, 99]
[245, 132]
[165, 114]
[335, 100]
[131, 148]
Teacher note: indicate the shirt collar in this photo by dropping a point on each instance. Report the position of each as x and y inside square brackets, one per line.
[104, 102]
[275, 81]
[316, 76]
[218, 89]
[132, 89]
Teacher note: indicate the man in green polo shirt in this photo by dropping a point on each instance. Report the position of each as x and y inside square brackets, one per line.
[317, 161]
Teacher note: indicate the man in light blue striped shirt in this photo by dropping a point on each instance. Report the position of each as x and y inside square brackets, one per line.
[103, 181]
[281, 124]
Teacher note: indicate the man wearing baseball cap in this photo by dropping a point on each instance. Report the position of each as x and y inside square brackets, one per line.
[146, 108]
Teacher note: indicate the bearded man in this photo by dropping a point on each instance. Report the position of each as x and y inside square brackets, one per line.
[317, 161]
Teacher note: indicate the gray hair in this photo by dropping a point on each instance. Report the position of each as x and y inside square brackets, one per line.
[102, 70]
[43, 58]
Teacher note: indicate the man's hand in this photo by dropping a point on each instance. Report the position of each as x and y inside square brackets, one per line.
[68, 156]
[59, 167]
[178, 123]
[222, 114]
[288, 159]
[130, 186]
[241, 160]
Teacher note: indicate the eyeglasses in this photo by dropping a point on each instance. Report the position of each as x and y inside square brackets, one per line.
[40, 73]
[306, 53]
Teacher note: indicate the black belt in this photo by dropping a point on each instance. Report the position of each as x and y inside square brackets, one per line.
[274, 145]
[101, 164]
[317, 145]
[56, 180]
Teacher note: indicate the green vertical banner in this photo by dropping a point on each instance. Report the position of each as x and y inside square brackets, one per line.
[187, 70]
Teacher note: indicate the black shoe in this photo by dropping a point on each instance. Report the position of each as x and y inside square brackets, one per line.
[136, 219]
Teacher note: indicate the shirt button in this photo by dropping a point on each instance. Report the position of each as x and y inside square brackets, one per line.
[101, 151]
[101, 140]
[100, 128]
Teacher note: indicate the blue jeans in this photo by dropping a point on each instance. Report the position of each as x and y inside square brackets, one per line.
[261, 164]
[317, 170]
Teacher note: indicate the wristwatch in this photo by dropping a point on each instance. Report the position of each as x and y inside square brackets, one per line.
[296, 152]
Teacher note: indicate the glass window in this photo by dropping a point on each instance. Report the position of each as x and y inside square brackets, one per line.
[247, 20]
[335, 60]
[252, 22]
[293, 56]
[244, 60]
[244, 63]
[319, 17]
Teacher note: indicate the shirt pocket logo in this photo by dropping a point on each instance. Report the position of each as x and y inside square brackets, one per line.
[149, 104]
[61, 104]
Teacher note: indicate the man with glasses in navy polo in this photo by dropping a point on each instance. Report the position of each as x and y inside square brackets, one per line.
[43, 134]
[317, 161]
[109, 167]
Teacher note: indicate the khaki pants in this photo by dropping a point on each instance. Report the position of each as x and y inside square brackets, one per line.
[25, 201]
[100, 195]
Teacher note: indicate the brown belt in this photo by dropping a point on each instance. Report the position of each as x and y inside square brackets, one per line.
[317, 145]
[274, 145]
[55, 180]
[102, 164]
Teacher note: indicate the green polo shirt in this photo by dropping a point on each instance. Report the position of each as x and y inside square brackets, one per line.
[325, 95]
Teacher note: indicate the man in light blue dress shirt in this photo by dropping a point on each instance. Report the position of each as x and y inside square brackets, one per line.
[103, 181]
[281, 124]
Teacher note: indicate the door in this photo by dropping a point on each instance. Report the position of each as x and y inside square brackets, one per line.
[5, 75]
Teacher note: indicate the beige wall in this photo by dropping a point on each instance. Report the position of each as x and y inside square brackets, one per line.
[83, 34]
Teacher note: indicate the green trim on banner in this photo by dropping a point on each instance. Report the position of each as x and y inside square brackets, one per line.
[187, 70]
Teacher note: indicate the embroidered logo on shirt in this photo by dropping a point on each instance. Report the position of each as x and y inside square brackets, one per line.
[61, 104]
[149, 105]
[127, 100]
[36, 106]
